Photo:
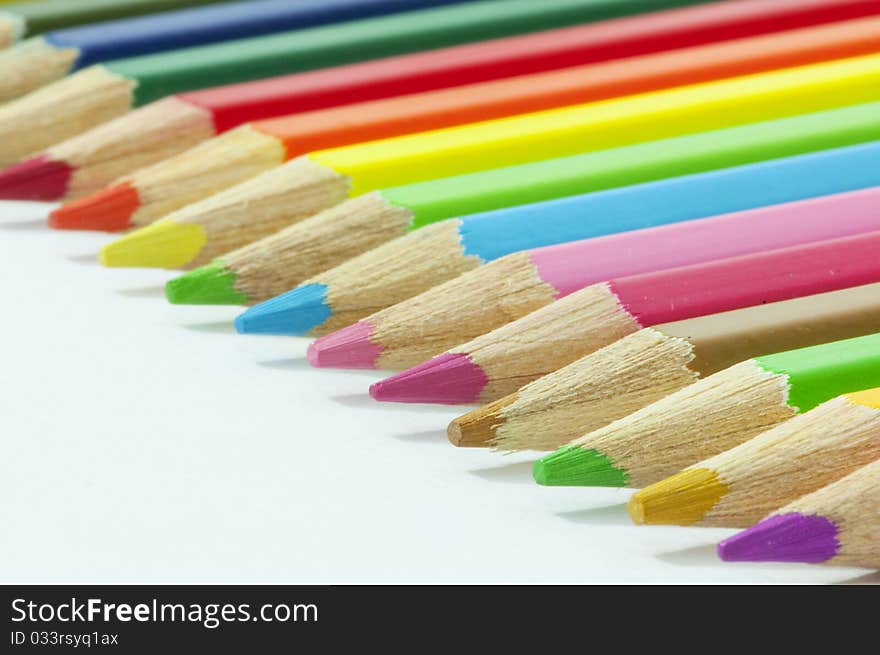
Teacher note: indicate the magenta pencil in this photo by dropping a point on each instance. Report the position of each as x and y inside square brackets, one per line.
[511, 287]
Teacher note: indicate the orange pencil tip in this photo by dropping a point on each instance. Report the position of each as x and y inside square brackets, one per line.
[109, 210]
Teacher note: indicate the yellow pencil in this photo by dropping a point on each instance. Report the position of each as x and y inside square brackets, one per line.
[309, 184]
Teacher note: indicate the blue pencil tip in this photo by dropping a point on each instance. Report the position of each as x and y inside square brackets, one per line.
[295, 312]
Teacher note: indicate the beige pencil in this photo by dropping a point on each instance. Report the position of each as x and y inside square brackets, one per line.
[648, 365]
[712, 415]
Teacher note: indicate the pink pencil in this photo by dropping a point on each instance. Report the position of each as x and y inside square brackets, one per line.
[511, 287]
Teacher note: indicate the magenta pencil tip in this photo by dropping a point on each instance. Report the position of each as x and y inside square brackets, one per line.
[349, 347]
[784, 538]
[449, 379]
[37, 178]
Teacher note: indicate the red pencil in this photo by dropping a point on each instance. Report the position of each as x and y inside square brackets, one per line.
[92, 160]
[145, 195]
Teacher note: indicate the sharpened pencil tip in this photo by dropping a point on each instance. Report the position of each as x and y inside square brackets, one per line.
[293, 313]
[37, 178]
[164, 244]
[212, 284]
[792, 537]
[578, 467]
[449, 379]
[681, 499]
[109, 210]
[349, 347]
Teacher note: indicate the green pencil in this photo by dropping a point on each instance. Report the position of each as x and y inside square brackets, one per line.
[713, 415]
[46, 15]
[279, 262]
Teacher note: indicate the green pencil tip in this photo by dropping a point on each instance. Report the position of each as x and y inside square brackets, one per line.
[572, 466]
[212, 284]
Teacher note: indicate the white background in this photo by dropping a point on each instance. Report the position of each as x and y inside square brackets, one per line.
[148, 443]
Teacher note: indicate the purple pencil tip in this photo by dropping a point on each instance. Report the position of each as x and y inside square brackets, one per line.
[784, 538]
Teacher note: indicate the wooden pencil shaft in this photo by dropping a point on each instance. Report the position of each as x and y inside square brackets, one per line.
[614, 381]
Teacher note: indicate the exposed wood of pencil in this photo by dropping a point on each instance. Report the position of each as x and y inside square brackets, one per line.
[606, 385]
[30, 65]
[853, 503]
[696, 422]
[771, 470]
[283, 260]
[575, 325]
[260, 207]
[146, 135]
[583, 396]
[393, 272]
[199, 172]
[458, 310]
[60, 111]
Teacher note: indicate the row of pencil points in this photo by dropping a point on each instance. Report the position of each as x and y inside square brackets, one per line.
[649, 301]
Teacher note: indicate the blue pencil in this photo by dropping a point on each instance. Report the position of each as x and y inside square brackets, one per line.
[426, 257]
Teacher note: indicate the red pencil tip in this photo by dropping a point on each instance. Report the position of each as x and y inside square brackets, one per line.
[37, 178]
[349, 347]
[109, 210]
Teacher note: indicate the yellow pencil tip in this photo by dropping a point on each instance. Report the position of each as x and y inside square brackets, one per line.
[164, 244]
[682, 499]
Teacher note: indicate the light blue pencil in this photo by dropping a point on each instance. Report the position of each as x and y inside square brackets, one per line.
[433, 254]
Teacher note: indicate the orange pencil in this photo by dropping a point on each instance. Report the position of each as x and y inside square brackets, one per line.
[149, 193]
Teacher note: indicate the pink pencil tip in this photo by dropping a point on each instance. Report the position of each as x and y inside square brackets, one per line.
[448, 379]
[349, 347]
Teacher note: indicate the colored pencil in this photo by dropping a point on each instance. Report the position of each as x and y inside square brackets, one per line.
[96, 94]
[254, 148]
[308, 184]
[410, 332]
[740, 486]
[453, 312]
[652, 363]
[53, 55]
[713, 415]
[409, 265]
[836, 525]
[280, 262]
[97, 157]
[32, 18]
[271, 265]
[499, 362]
[47, 15]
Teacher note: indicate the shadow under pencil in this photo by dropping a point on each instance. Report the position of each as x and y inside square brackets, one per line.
[514, 473]
[23, 226]
[605, 515]
[143, 292]
[287, 364]
[693, 556]
[427, 436]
